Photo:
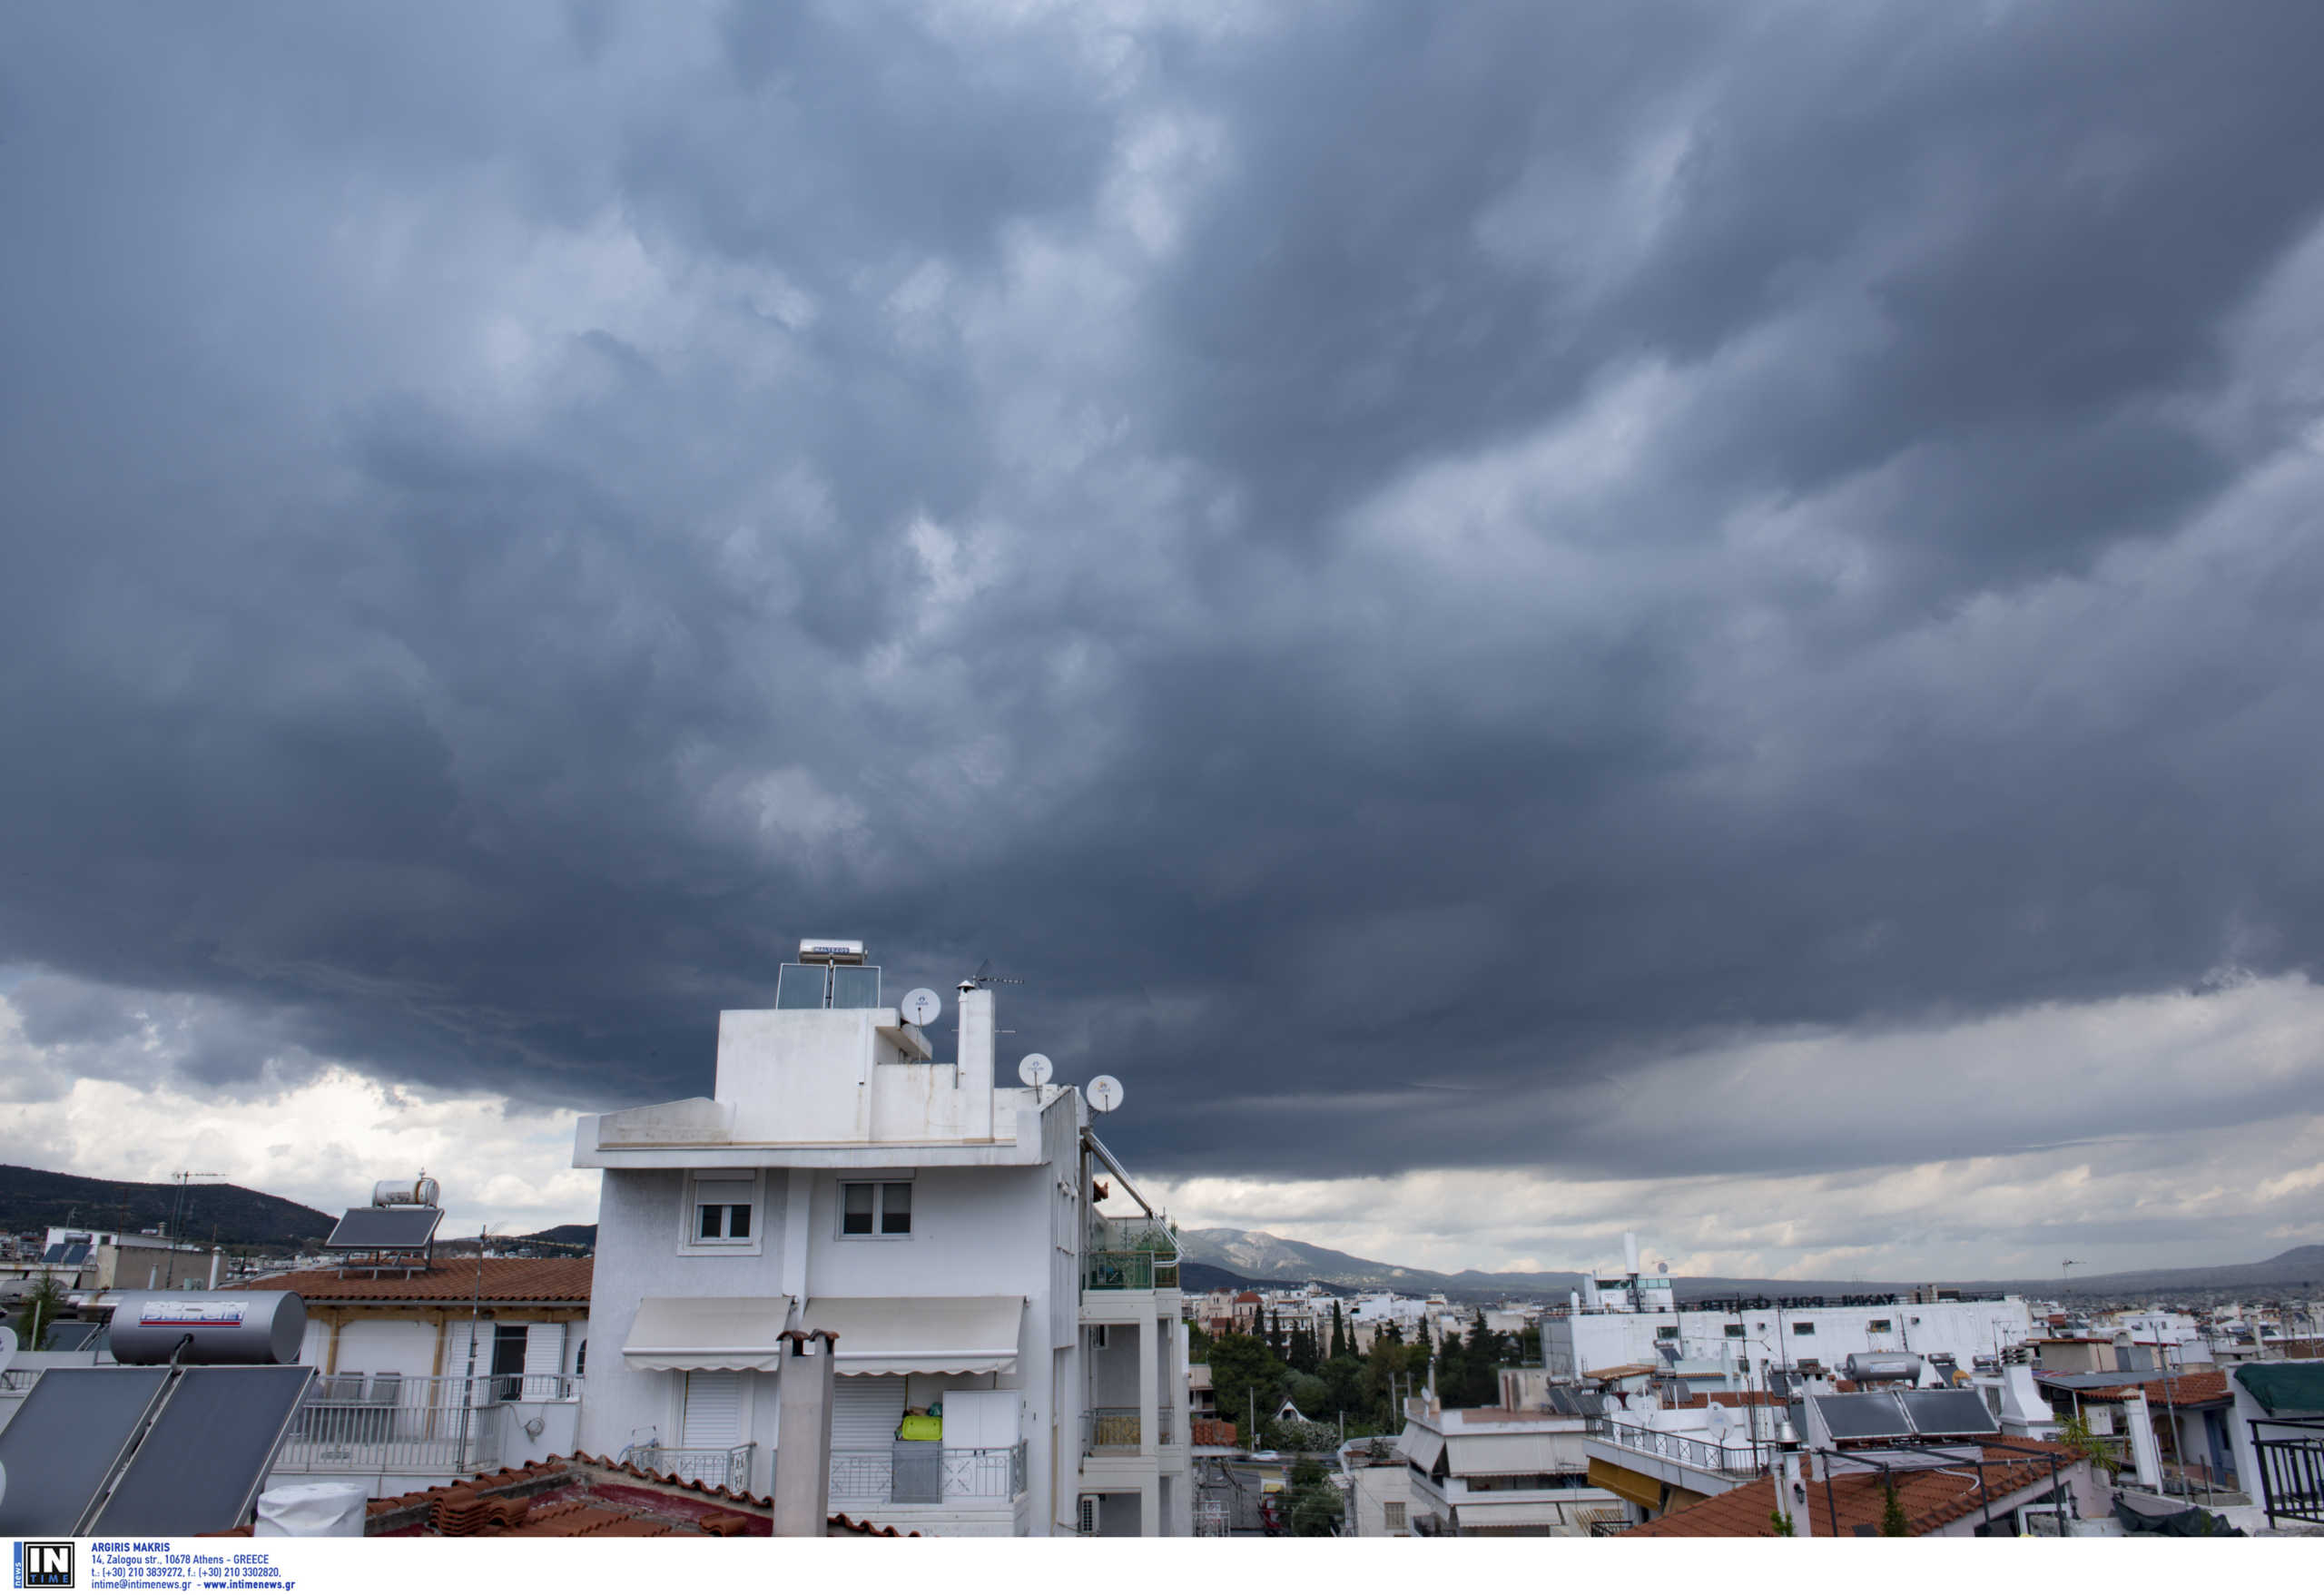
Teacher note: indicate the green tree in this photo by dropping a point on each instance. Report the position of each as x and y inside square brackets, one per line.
[1246, 1375]
[1198, 1342]
[1339, 1334]
[1342, 1378]
[42, 1306]
[1892, 1511]
[1315, 1505]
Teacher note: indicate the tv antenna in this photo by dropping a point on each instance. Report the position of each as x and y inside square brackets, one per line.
[185, 1176]
[985, 976]
[2066, 1269]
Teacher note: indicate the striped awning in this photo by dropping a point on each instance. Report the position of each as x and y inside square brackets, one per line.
[1627, 1482]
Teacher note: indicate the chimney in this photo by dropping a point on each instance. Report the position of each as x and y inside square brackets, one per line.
[976, 1054]
[1791, 1483]
[802, 1479]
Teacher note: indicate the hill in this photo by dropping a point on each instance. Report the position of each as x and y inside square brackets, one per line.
[1273, 1259]
[35, 1198]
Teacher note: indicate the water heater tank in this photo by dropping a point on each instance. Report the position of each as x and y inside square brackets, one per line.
[422, 1192]
[1883, 1367]
[224, 1326]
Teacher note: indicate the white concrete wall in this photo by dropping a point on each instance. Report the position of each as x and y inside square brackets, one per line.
[1967, 1330]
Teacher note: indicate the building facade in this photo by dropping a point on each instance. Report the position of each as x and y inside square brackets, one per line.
[1009, 1360]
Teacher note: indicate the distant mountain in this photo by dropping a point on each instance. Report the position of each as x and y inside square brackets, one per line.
[581, 1235]
[37, 1198]
[1274, 1259]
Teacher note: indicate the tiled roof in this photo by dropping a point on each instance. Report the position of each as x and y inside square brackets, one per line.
[501, 1279]
[586, 1496]
[1931, 1499]
[2179, 1390]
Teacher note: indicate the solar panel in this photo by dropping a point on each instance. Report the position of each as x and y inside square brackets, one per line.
[1874, 1416]
[1948, 1411]
[69, 1337]
[365, 1229]
[55, 1253]
[75, 1254]
[65, 1440]
[855, 985]
[208, 1454]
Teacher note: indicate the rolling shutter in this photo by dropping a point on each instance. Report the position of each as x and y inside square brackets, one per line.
[713, 1411]
[543, 1362]
[865, 1410]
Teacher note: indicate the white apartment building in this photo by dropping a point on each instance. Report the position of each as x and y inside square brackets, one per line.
[1009, 1360]
[1635, 1319]
[1487, 1471]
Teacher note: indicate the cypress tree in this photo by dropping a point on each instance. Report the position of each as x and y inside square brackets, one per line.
[1339, 1333]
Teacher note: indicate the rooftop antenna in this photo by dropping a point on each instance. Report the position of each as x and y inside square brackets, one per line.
[176, 1203]
[985, 976]
[2065, 1275]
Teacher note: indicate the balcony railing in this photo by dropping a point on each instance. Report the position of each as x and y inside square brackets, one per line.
[1131, 1253]
[1117, 1431]
[719, 1467]
[1742, 1462]
[914, 1476]
[406, 1423]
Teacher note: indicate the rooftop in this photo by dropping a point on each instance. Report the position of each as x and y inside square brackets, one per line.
[496, 1279]
[2174, 1389]
[1931, 1499]
[584, 1497]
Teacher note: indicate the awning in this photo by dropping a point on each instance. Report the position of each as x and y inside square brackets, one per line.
[1509, 1514]
[1483, 1455]
[2284, 1387]
[1627, 1482]
[702, 1334]
[1422, 1447]
[919, 1334]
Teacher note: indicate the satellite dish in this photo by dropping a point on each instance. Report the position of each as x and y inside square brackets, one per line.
[921, 1006]
[1034, 1070]
[1662, 1267]
[1717, 1423]
[1104, 1092]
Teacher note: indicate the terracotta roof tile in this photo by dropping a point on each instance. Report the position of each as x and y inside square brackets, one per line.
[2179, 1390]
[1931, 1500]
[502, 1279]
[583, 1496]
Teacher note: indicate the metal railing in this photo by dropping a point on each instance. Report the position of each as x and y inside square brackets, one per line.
[1738, 1460]
[892, 1476]
[16, 1380]
[1128, 1271]
[1130, 1254]
[1110, 1429]
[719, 1467]
[406, 1423]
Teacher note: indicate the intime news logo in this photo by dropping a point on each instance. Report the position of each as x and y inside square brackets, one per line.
[44, 1564]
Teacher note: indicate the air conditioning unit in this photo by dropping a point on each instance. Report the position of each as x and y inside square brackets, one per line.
[1088, 1521]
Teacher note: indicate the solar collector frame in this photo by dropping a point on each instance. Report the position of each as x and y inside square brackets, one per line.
[68, 1439]
[201, 1465]
[385, 1230]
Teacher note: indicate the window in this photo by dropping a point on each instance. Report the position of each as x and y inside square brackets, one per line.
[722, 1211]
[881, 1207]
[1666, 1331]
[1394, 1512]
[508, 1361]
[1735, 1332]
[1881, 1327]
[1803, 1329]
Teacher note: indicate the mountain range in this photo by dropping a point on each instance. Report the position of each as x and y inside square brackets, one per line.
[1258, 1257]
[38, 1198]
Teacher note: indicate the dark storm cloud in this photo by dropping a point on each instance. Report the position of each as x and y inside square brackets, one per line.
[1357, 549]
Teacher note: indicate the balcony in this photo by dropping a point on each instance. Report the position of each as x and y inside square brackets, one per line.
[1119, 1431]
[408, 1424]
[717, 1467]
[898, 1476]
[1131, 1253]
[1740, 1463]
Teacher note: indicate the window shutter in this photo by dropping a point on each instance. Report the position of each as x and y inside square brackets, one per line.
[713, 1411]
[865, 1410]
[544, 1361]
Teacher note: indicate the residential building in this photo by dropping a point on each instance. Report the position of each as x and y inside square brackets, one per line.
[1636, 1319]
[1490, 1471]
[1010, 1357]
[1375, 1484]
[436, 1371]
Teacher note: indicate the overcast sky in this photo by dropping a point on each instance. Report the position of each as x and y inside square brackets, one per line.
[1529, 619]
